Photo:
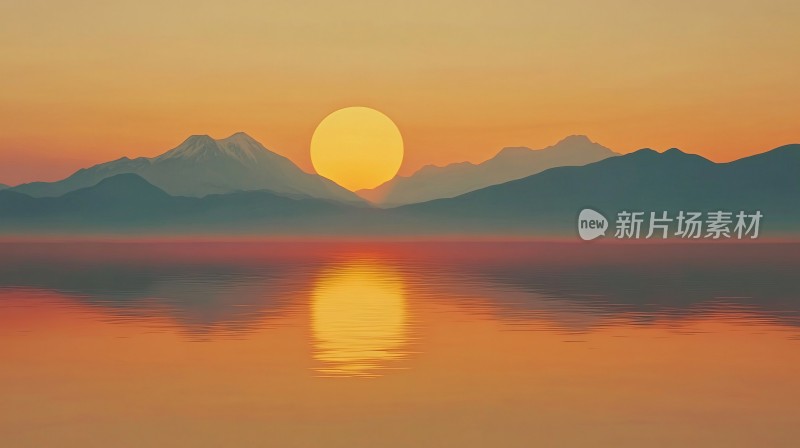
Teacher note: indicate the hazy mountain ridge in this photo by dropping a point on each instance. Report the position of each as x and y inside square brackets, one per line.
[434, 182]
[641, 181]
[200, 166]
[127, 203]
[542, 205]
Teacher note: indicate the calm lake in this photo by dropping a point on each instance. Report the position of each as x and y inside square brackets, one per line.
[399, 345]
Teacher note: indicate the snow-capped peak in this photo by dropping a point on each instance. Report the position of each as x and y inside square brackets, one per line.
[239, 146]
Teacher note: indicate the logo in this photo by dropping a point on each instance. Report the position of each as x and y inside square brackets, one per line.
[718, 224]
[591, 224]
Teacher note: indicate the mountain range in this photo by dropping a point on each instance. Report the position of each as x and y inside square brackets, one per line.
[548, 203]
[201, 166]
[542, 205]
[434, 182]
[129, 203]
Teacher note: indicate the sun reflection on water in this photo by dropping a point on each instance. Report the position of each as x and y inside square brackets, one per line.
[359, 319]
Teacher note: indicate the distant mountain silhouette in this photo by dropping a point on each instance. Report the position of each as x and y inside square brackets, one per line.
[202, 166]
[542, 205]
[125, 200]
[4, 186]
[548, 203]
[128, 203]
[433, 182]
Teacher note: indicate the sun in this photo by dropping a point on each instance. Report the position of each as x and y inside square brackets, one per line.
[357, 147]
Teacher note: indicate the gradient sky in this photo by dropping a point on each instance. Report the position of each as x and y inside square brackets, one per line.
[87, 81]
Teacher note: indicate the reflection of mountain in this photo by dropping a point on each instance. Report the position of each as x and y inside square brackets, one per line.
[201, 296]
[202, 166]
[358, 305]
[433, 182]
[577, 284]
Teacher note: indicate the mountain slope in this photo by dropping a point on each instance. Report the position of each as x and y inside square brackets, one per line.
[432, 182]
[200, 166]
[549, 202]
[542, 205]
[127, 203]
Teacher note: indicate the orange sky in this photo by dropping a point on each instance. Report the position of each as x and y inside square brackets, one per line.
[87, 81]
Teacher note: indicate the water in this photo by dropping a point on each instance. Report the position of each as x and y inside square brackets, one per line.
[399, 345]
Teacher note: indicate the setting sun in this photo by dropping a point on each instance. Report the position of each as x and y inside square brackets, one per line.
[357, 147]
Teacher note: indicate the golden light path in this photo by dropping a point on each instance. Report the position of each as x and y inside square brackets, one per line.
[357, 147]
[359, 319]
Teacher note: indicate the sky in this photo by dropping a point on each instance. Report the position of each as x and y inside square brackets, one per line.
[88, 81]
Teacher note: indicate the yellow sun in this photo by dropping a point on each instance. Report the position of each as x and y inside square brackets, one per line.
[357, 147]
